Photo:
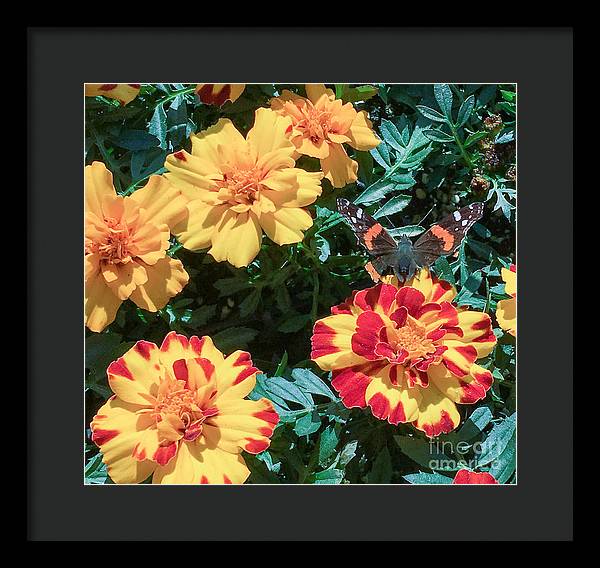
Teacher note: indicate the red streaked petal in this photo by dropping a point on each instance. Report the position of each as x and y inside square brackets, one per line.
[466, 477]
[364, 341]
[411, 298]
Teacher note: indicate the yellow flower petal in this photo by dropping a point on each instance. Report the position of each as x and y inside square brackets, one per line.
[506, 314]
[269, 133]
[195, 232]
[122, 92]
[395, 403]
[242, 424]
[163, 203]
[118, 431]
[98, 185]
[437, 413]
[286, 226]
[332, 342]
[219, 93]
[101, 304]
[136, 375]
[122, 279]
[510, 278]
[166, 279]
[237, 239]
[361, 133]
[315, 91]
[293, 187]
[338, 168]
[202, 463]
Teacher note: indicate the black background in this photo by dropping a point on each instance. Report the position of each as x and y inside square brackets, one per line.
[539, 507]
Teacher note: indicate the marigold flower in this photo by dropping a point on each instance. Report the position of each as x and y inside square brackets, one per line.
[239, 187]
[321, 125]
[506, 312]
[466, 477]
[126, 239]
[179, 414]
[123, 92]
[218, 94]
[406, 352]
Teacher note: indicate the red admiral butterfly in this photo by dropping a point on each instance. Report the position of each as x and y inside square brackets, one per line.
[403, 257]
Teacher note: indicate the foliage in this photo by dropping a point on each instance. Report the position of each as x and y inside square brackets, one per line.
[442, 146]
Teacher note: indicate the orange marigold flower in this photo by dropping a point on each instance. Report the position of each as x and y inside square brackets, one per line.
[321, 125]
[406, 352]
[179, 414]
[126, 239]
[239, 187]
[506, 312]
[218, 94]
[123, 92]
[466, 477]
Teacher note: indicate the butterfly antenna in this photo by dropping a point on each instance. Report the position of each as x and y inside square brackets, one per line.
[426, 215]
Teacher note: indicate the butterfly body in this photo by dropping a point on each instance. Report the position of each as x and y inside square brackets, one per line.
[403, 257]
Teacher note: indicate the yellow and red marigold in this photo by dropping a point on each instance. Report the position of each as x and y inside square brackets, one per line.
[239, 187]
[406, 352]
[218, 94]
[122, 92]
[179, 413]
[506, 312]
[126, 239]
[466, 477]
[321, 125]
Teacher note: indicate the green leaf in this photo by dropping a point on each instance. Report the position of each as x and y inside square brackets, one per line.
[327, 444]
[475, 137]
[391, 135]
[465, 110]
[425, 453]
[428, 478]
[287, 390]
[294, 323]
[378, 190]
[234, 338]
[504, 465]
[250, 303]
[498, 439]
[229, 286]
[136, 140]
[394, 205]
[356, 94]
[443, 96]
[407, 230]
[381, 154]
[202, 315]
[308, 424]
[431, 114]
[443, 270]
[307, 380]
[438, 135]
[476, 423]
[158, 126]
[381, 472]
[329, 477]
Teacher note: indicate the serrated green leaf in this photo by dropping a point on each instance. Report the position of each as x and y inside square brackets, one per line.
[443, 96]
[422, 478]
[498, 439]
[393, 206]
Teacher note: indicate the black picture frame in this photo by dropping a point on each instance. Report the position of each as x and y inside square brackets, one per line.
[61, 507]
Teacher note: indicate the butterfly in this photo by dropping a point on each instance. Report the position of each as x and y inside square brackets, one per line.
[403, 257]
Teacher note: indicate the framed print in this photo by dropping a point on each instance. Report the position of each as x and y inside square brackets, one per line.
[297, 285]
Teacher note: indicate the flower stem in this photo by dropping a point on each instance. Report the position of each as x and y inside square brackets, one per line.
[461, 147]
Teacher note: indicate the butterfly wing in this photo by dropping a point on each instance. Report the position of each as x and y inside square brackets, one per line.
[369, 232]
[444, 238]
